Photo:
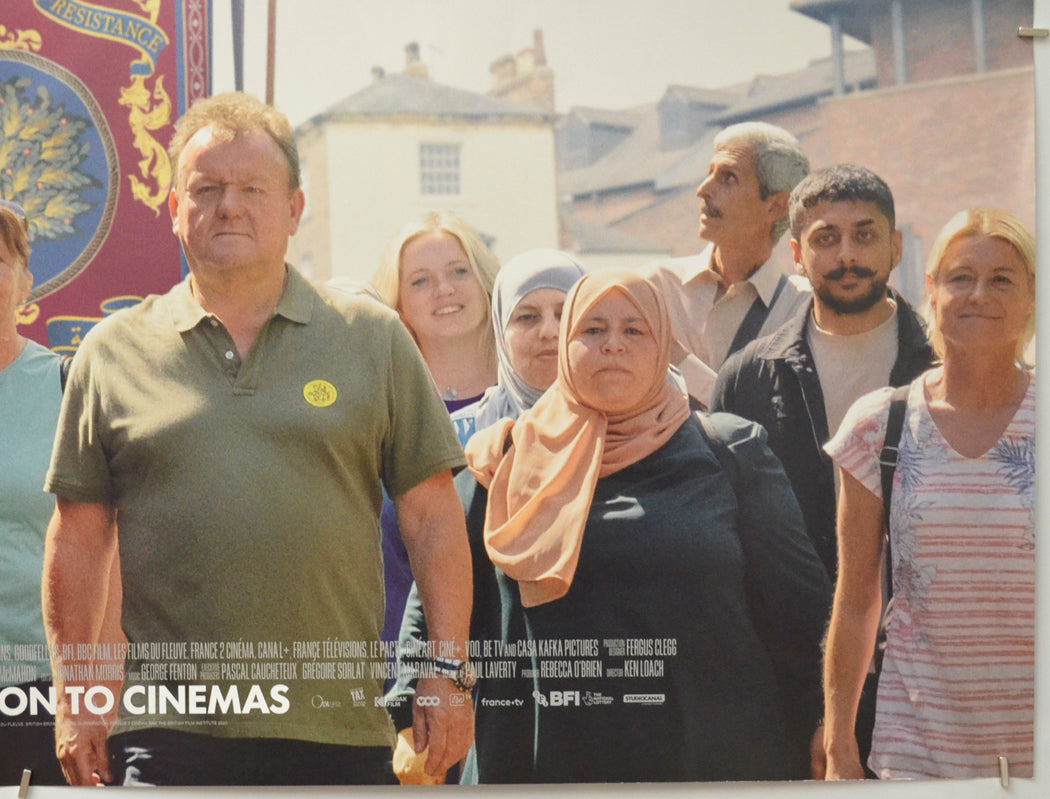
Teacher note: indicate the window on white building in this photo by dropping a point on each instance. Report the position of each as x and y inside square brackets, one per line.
[439, 169]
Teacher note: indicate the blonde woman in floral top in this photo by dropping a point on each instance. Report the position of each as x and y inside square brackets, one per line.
[957, 685]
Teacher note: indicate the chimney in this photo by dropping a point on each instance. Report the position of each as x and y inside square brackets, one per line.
[378, 73]
[503, 70]
[413, 66]
[539, 55]
[526, 78]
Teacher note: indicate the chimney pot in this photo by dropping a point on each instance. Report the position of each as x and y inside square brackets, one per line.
[539, 55]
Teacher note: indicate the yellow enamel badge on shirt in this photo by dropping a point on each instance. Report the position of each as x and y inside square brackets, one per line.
[320, 393]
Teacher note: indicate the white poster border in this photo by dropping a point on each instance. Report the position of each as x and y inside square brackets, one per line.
[1036, 788]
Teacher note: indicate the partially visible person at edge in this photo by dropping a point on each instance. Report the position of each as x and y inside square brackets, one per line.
[244, 425]
[854, 335]
[437, 273]
[735, 290]
[527, 301]
[958, 676]
[30, 395]
[612, 513]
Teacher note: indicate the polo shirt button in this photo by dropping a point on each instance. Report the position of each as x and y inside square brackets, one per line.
[229, 355]
[214, 322]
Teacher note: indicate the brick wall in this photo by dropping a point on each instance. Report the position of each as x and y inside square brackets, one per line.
[671, 221]
[939, 41]
[943, 146]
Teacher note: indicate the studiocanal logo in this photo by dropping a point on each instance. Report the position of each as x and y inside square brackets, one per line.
[643, 699]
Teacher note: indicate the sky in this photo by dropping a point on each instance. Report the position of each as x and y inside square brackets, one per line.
[604, 53]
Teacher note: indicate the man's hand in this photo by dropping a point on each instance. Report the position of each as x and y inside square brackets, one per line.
[82, 751]
[443, 722]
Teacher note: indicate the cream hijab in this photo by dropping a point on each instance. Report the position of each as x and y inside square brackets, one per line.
[519, 277]
[541, 487]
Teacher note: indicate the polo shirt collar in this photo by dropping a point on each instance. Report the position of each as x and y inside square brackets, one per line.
[186, 312]
[700, 265]
[765, 280]
[296, 303]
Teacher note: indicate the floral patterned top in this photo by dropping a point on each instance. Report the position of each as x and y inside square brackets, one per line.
[958, 680]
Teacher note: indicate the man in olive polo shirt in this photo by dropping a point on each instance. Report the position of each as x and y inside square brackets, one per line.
[239, 431]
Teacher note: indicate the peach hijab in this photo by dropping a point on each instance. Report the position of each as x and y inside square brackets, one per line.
[541, 486]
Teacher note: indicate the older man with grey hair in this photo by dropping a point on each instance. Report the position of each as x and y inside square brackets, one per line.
[734, 291]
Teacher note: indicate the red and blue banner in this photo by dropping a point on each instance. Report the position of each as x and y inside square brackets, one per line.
[89, 94]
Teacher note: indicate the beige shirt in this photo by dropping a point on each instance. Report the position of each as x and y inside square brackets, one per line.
[705, 314]
[849, 367]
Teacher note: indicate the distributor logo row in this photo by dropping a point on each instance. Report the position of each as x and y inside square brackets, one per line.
[548, 699]
[573, 698]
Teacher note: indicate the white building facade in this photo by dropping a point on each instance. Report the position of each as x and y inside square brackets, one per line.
[404, 146]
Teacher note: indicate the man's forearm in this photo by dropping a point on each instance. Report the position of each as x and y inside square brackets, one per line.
[79, 555]
[81, 602]
[435, 535]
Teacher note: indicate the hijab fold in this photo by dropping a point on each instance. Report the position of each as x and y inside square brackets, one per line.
[542, 481]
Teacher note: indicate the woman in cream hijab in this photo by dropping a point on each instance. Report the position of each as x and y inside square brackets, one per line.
[673, 630]
[527, 301]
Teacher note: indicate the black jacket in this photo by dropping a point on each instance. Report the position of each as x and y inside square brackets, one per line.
[773, 381]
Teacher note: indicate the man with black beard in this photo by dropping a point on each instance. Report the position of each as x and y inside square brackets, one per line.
[853, 336]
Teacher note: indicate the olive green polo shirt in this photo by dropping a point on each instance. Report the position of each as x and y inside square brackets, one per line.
[248, 496]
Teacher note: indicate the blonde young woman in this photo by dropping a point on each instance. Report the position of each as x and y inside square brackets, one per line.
[957, 683]
[437, 273]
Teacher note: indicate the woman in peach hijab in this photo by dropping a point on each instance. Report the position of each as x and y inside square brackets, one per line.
[672, 606]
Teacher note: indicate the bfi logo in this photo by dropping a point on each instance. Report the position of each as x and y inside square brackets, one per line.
[557, 698]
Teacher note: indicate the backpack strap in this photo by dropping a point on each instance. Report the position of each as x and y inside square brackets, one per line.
[888, 464]
[755, 318]
[891, 444]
